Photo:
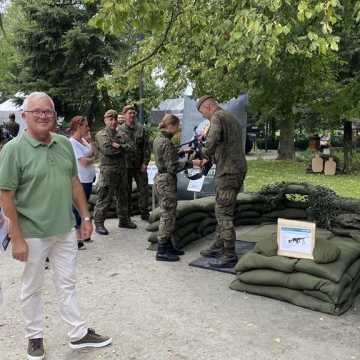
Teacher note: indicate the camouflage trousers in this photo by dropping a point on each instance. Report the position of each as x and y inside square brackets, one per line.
[165, 186]
[141, 180]
[112, 186]
[226, 188]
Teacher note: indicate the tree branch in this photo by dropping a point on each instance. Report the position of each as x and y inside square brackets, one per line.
[174, 15]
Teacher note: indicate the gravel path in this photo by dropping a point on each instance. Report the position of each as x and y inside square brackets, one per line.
[160, 311]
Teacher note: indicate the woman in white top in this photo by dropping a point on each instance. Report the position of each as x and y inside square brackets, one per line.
[85, 157]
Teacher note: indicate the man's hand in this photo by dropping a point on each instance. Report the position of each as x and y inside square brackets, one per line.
[143, 168]
[115, 145]
[86, 229]
[20, 249]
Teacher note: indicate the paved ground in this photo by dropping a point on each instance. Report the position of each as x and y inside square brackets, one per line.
[158, 311]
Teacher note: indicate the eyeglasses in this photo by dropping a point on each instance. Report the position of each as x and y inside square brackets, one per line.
[45, 113]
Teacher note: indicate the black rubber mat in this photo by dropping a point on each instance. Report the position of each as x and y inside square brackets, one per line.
[241, 247]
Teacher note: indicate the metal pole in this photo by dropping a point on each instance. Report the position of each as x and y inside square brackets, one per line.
[141, 97]
[153, 201]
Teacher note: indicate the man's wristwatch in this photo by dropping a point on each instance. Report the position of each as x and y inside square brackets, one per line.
[87, 218]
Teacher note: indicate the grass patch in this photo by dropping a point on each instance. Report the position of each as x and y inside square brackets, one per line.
[262, 172]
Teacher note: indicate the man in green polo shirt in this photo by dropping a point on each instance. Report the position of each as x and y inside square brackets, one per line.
[38, 186]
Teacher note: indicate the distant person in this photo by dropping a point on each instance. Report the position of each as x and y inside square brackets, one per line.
[12, 126]
[224, 146]
[112, 147]
[85, 158]
[168, 164]
[137, 158]
[39, 184]
[121, 119]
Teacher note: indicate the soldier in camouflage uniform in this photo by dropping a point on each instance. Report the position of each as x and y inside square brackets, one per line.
[113, 174]
[12, 126]
[224, 146]
[168, 164]
[138, 158]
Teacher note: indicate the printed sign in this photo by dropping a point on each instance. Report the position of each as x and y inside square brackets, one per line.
[296, 239]
[151, 172]
[196, 185]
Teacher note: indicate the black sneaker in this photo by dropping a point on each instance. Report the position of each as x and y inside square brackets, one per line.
[36, 349]
[91, 340]
[81, 245]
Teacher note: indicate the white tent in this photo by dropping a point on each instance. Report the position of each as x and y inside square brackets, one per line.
[8, 107]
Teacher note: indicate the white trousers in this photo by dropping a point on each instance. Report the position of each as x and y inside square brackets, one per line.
[62, 252]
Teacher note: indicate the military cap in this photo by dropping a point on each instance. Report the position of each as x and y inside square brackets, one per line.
[128, 107]
[111, 113]
[202, 100]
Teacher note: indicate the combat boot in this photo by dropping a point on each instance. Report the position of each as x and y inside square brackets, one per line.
[163, 254]
[228, 260]
[127, 224]
[173, 250]
[145, 216]
[101, 229]
[215, 250]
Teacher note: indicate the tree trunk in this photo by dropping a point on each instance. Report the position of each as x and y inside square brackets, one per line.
[287, 134]
[347, 146]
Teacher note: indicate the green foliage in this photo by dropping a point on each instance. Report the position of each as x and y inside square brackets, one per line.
[275, 50]
[262, 172]
[58, 52]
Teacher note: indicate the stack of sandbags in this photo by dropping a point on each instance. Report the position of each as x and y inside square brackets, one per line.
[254, 209]
[194, 220]
[250, 209]
[329, 283]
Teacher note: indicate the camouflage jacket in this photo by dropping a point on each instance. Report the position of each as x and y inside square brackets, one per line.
[108, 155]
[13, 128]
[224, 145]
[140, 151]
[167, 157]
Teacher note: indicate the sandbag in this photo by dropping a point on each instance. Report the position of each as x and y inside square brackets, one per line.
[208, 230]
[260, 207]
[181, 232]
[267, 246]
[325, 251]
[208, 222]
[179, 243]
[196, 216]
[288, 213]
[248, 214]
[249, 221]
[244, 198]
[348, 221]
